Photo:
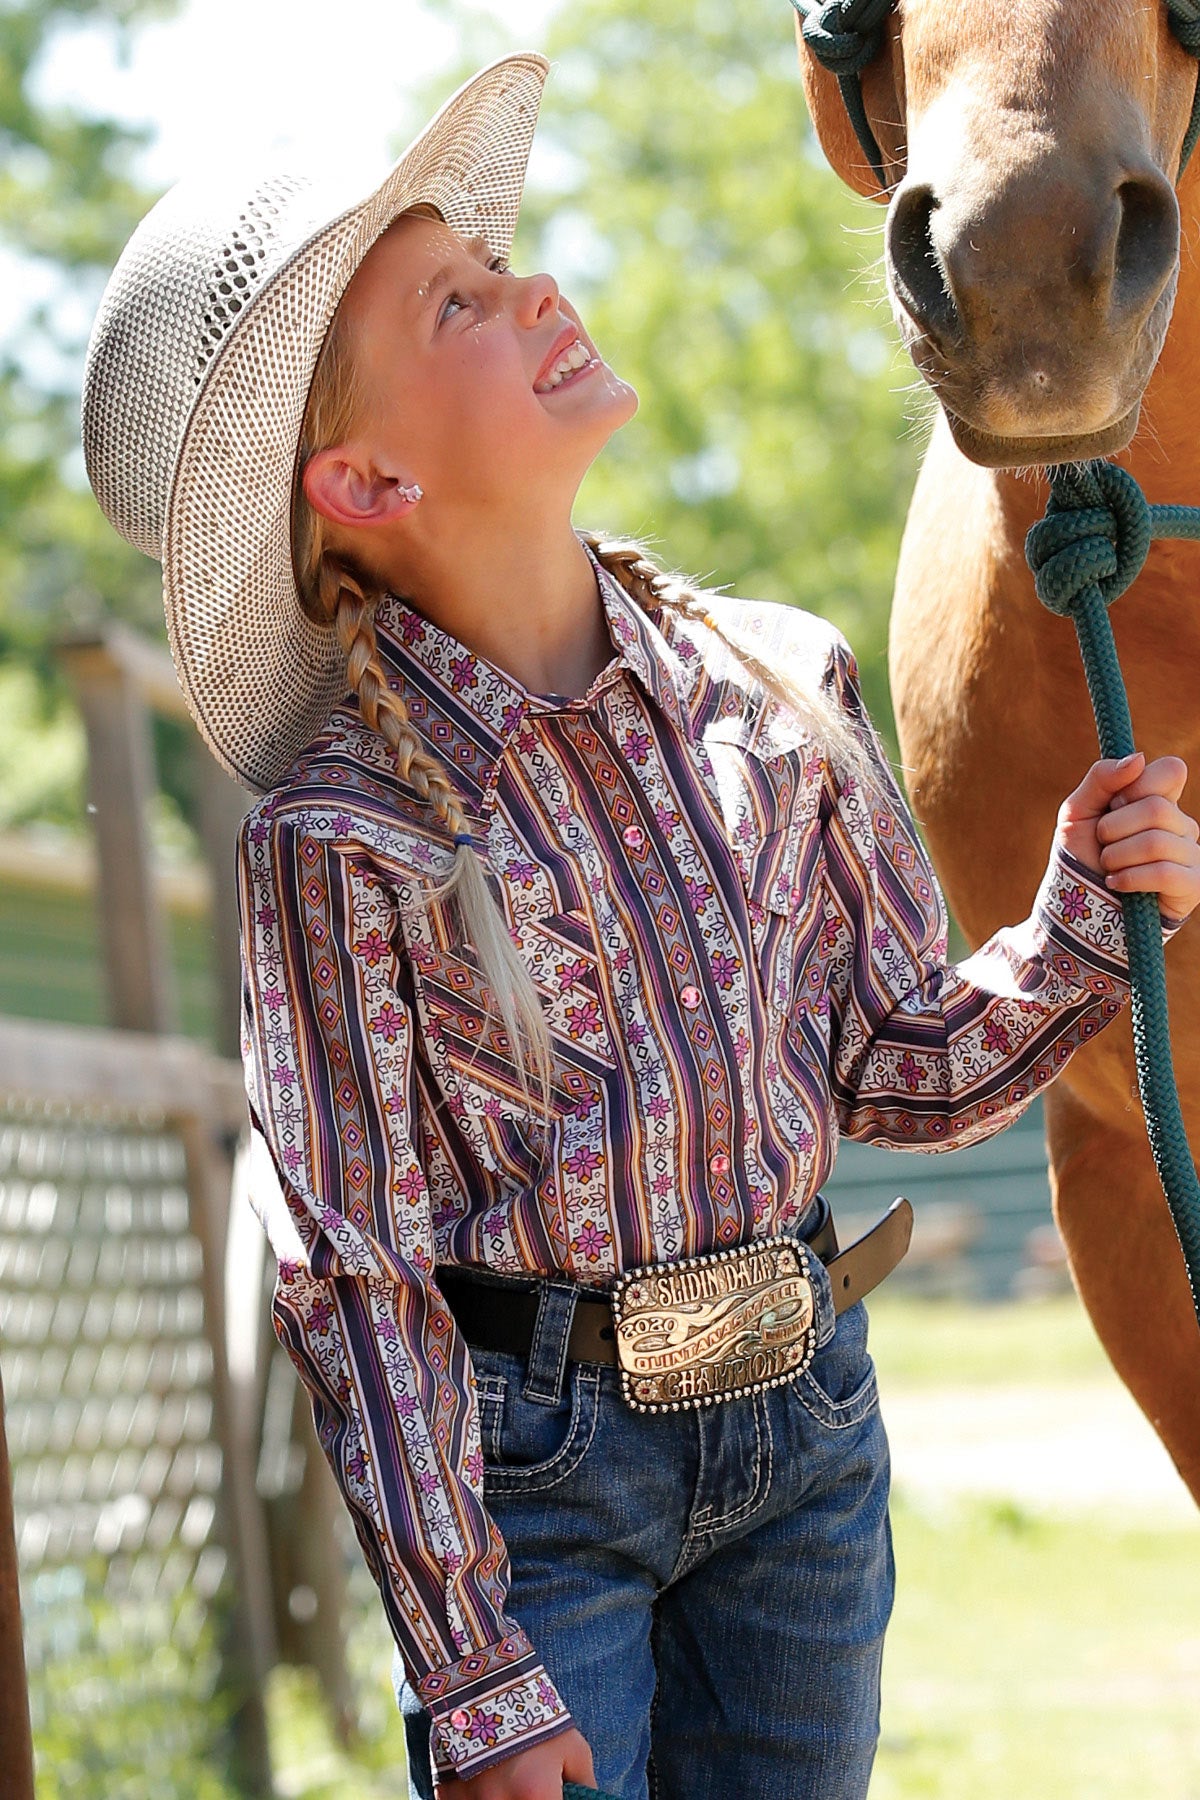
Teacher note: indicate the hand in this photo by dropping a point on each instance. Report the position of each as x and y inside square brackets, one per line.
[536, 1774]
[1124, 822]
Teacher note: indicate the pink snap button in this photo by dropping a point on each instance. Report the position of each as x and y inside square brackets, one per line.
[460, 1718]
[720, 1163]
[690, 997]
[632, 835]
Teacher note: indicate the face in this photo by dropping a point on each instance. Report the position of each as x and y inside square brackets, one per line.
[481, 385]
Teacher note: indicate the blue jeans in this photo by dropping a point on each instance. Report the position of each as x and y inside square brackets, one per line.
[708, 1590]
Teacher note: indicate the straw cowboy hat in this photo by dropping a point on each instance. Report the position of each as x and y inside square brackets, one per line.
[197, 375]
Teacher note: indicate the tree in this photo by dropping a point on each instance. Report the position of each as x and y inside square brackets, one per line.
[68, 201]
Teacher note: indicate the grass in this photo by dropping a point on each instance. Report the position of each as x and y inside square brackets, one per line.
[1047, 1660]
[1037, 1657]
[925, 1343]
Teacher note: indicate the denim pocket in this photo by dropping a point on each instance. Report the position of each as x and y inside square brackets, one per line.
[838, 1388]
[529, 1447]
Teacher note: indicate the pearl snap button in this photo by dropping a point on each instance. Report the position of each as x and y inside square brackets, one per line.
[460, 1718]
[632, 835]
[690, 997]
[719, 1163]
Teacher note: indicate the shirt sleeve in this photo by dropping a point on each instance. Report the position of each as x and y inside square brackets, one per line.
[328, 1051]
[928, 1055]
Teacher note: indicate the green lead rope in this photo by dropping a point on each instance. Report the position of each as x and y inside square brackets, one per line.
[1086, 551]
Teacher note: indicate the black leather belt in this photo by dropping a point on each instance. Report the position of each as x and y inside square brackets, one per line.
[498, 1314]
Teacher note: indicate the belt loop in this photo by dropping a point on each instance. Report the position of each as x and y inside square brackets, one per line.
[548, 1351]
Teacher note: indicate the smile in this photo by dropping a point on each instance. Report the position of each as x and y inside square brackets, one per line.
[574, 362]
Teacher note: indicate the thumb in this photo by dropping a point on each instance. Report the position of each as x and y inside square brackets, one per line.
[1103, 781]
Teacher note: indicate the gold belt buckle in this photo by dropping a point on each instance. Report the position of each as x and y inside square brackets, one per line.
[713, 1328]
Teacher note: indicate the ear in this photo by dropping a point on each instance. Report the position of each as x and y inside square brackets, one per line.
[883, 97]
[346, 489]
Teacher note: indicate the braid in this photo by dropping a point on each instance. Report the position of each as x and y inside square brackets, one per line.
[352, 608]
[352, 605]
[648, 583]
[652, 587]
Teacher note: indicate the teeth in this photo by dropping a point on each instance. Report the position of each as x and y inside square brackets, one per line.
[570, 360]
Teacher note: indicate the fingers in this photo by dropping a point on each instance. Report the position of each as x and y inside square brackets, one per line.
[1166, 776]
[1103, 781]
[1178, 888]
[1155, 812]
[1149, 847]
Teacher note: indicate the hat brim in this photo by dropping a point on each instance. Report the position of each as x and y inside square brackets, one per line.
[259, 676]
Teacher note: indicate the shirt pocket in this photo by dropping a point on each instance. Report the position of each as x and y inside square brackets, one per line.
[785, 900]
[466, 1042]
[768, 785]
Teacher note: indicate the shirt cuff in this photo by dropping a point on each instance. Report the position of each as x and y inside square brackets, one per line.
[490, 1704]
[1083, 921]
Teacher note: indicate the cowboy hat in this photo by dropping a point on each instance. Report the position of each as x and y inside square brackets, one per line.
[197, 376]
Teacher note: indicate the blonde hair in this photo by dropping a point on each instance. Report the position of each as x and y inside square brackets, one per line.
[333, 589]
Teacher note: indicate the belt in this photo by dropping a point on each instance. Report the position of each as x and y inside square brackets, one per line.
[498, 1314]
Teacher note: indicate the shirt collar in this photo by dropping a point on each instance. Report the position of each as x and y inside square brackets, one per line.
[467, 710]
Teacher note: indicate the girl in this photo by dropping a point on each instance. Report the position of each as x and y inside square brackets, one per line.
[580, 914]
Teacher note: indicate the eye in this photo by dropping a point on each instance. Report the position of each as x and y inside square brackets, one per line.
[498, 266]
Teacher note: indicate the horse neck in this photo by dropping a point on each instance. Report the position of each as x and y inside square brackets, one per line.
[1165, 455]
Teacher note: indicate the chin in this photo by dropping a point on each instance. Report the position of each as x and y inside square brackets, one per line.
[993, 451]
[613, 404]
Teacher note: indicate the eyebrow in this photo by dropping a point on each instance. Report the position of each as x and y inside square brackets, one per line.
[429, 290]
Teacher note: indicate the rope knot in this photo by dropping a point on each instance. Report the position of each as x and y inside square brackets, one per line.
[1096, 532]
[843, 35]
[1184, 19]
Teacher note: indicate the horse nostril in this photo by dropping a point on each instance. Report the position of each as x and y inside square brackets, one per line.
[918, 276]
[1147, 242]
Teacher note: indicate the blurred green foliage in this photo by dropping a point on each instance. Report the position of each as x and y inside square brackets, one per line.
[68, 200]
[125, 1698]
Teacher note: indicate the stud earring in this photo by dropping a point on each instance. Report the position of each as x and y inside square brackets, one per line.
[411, 494]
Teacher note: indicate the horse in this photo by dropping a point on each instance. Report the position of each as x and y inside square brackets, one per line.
[1041, 266]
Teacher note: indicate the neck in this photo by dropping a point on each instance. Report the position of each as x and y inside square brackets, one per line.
[528, 602]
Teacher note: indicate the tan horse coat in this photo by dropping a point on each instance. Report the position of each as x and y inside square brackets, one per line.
[993, 714]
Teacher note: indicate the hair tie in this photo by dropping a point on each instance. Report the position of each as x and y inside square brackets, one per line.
[463, 837]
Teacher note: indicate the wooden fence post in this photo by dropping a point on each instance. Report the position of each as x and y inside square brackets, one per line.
[141, 989]
[221, 804]
[249, 1652]
[16, 1742]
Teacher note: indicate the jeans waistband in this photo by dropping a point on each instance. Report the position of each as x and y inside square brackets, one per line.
[558, 1295]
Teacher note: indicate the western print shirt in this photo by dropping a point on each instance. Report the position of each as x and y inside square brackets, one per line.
[741, 956]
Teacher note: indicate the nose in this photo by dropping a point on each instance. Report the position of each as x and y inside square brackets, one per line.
[537, 295]
[1102, 247]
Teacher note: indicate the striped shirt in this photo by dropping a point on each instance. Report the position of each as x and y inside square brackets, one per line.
[740, 956]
